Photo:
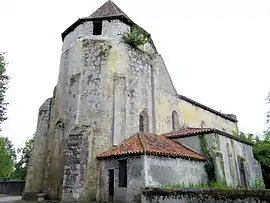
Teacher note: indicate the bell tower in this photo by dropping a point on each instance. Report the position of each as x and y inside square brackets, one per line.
[105, 93]
[93, 100]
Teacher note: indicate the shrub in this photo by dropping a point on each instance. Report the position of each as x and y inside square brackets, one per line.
[136, 37]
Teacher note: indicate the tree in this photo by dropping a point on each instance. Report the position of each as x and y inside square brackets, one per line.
[22, 165]
[268, 112]
[4, 79]
[261, 148]
[261, 151]
[7, 158]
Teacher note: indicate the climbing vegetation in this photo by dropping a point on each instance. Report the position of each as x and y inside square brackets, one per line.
[258, 184]
[209, 165]
[136, 37]
[213, 185]
[261, 151]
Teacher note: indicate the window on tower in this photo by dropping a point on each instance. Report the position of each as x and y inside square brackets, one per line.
[144, 122]
[141, 123]
[97, 27]
[175, 121]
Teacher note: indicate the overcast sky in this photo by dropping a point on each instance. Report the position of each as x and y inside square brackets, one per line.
[217, 52]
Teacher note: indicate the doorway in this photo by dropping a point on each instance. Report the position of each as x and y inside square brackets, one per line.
[242, 172]
[111, 184]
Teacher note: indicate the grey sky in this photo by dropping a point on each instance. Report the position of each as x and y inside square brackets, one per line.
[217, 52]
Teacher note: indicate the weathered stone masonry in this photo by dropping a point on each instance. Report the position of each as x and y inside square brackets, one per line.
[104, 88]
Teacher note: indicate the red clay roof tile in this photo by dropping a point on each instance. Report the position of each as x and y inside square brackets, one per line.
[158, 145]
[188, 131]
[199, 131]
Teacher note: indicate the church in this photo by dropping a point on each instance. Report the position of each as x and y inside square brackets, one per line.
[116, 124]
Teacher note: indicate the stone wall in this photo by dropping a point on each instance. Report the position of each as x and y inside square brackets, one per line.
[166, 101]
[111, 30]
[153, 195]
[139, 91]
[146, 171]
[227, 153]
[230, 152]
[86, 104]
[162, 171]
[164, 96]
[189, 115]
[12, 187]
[193, 116]
[135, 177]
[75, 165]
[35, 172]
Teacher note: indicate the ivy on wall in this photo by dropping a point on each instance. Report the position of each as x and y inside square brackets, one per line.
[258, 184]
[209, 165]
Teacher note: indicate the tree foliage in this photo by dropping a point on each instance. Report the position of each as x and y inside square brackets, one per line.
[22, 165]
[4, 79]
[261, 151]
[268, 112]
[7, 158]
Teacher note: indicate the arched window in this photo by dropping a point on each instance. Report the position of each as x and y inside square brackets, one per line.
[141, 123]
[144, 122]
[175, 121]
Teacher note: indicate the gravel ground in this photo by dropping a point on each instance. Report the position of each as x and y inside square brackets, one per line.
[9, 199]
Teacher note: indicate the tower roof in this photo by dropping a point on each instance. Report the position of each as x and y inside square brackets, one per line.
[108, 10]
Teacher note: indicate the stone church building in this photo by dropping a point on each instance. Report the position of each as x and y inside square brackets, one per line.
[116, 124]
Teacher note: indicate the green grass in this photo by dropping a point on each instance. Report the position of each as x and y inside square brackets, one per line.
[176, 186]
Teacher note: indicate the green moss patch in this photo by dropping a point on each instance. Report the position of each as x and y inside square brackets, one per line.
[207, 193]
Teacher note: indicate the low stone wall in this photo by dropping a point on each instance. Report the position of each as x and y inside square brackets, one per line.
[151, 195]
[12, 187]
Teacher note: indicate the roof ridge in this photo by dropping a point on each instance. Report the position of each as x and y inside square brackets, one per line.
[196, 128]
[113, 6]
[108, 9]
[143, 146]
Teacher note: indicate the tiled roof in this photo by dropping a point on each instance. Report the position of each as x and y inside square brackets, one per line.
[109, 9]
[230, 117]
[199, 131]
[188, 131]
[158, 145]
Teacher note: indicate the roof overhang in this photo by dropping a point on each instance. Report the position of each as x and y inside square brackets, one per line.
[205, 131]
[109, 18]
[82, 20]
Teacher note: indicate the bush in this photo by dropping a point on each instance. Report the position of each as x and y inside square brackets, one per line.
[258, 184]
[136, 37]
